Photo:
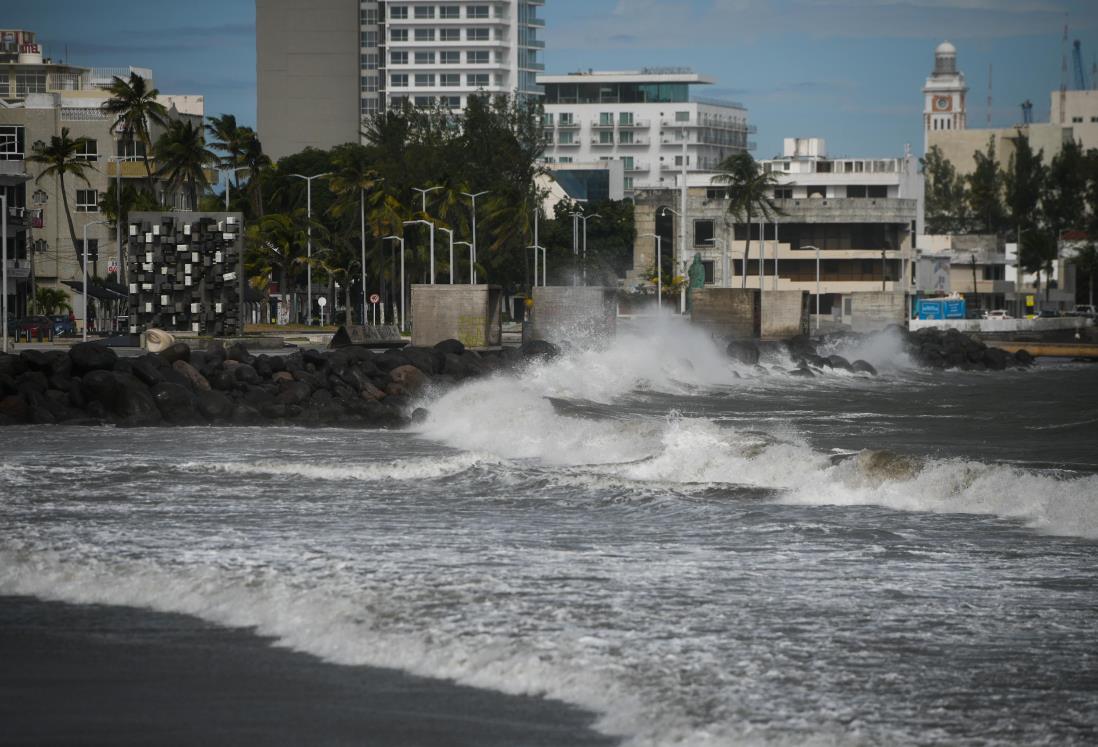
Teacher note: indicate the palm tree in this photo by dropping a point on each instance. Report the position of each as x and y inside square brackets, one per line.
[275, 245]
[256, 161]
[61, 157]
[750, 193]
[135, 106]
[51, 300]
[184, 158]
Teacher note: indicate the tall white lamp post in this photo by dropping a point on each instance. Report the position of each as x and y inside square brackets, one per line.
[401, 240]
[679, 255]
[309, 228]
[229, 173]
[432, 226]
[659, 266]
[473, 196]
[84, 251]
[450, 233]
[423, 195]
[470, 245]
[810, 246]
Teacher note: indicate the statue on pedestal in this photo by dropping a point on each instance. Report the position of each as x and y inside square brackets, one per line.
[696, 274]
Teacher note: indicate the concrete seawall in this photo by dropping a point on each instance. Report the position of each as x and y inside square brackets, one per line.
[573, 314]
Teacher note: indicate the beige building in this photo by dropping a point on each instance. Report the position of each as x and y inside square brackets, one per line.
[39, 98]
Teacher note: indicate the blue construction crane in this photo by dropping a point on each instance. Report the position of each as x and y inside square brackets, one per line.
[1077, 62]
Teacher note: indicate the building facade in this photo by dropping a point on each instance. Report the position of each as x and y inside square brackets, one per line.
[325, 66]
[857, 215]
[944, 95]
[647, 119]
[39, 99]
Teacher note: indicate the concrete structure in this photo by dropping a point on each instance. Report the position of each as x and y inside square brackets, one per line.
[574, 315]
[727, 313]
[39, 98]
[647, 119]
[869, 311]
[325, 66]
[977, 268]
[784, 314]
[859, 212]
[469, 313]
[580, 182]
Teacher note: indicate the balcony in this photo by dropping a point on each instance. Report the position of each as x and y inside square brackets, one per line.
[636, 124]
[132, 169]
[570, 125]
[602, 125]
[639, 141]
[573, 144]
[636, 166]
[597, 142]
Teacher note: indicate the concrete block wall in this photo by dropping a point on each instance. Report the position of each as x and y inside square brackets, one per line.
[784, 314]
[727, 312]
[469, 313]
[873, 311]
[574, 315]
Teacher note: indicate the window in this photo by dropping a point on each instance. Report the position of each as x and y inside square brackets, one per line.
[816, 191]
[425, 11]
[87, 201]
[707, 265]
[476, 11]
[449, 80]
[398, 35]
[682, 116]
[398, 58]
[369, 38]
[12, 142]
[398, 80]
[368, 16]
[566, 118]
[565, 159]
[567, 138]
[606, 138]
[451, 102]
[449, 11]
[370, 107]
[449, 58]
[130, 150]
[398, 12]
[627, 182]
[783, 193]
[476, 35]
[477, 58]
[625, 118]
[370, 84]
[714, 193]
[547, 119]
[29, 83]
[478, 80]
[625, 138]
[425, 102]
[93, 249]
[449, 35]
[548, 137]
[369, 61]
[703, 233]
[877, 191]
[397, 102]
[425, 35]
[855, 191]
[627, 163]
[606, 119]
[425, 58]
[425, 80]
[1077, 119]
[88, 151]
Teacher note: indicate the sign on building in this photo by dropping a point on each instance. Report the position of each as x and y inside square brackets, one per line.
[932, 274]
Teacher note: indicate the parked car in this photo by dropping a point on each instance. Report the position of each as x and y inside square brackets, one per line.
[997, 314]
[1083, 309]
[62, 325]
[36, 326]
[1048, 314]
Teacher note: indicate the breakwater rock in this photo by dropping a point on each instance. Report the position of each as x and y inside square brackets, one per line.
[89, 384]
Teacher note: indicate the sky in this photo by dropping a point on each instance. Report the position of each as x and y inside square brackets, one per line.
[849, 71]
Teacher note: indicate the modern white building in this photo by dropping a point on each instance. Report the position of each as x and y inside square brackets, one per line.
[325, 66]
[648, 119]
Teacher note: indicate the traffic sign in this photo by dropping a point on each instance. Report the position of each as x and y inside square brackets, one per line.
[374, 298]
[322, 301]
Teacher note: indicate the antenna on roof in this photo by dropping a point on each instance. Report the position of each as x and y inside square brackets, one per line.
[1064, 76]
[989, 95]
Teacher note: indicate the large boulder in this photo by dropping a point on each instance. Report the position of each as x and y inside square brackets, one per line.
[148, 368]
[15, 408]
[91, 356]
[410, 378]
[35, 360]
[743, 352]
[294, 393]
[450, 346]
[177, 351]
[839, 362]
[214, 405]
[196, 380]
[861, 366]
[133, 404]
[176, 403]
[541, 349]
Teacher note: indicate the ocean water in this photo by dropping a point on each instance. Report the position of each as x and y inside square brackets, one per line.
[702, 553]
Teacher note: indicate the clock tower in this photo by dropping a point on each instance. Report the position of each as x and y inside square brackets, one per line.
[943, 94]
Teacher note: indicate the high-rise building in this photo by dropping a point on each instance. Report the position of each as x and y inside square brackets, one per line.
[647, 119]
[324, 66]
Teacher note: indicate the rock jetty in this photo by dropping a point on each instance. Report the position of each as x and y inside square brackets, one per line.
[89, 384]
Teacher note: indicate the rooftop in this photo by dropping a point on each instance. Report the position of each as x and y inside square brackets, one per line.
[644, 75]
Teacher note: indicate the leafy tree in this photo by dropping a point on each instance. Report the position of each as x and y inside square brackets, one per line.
[134, 105]
[276, 247]
[985, 191]
[50, 301]
[946, 201]
[750, 194]
[1086, 262]
[133, 199]
[1064, 200]
[1024, 183]
[1038, 252]
[61, 158]
[183, 157]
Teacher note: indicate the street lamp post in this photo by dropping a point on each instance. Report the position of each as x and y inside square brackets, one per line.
[228, 172]
[432, 226]
[678, 259]
[450, 233]
[401, 240]
[544, 280]
[473, 196]
[809, 246]
[118, 214]
[423, 195]
[578, 216]
[84, 250]
[659, 267]
[309, 228]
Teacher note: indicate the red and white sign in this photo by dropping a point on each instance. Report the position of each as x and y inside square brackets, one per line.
[374, 298]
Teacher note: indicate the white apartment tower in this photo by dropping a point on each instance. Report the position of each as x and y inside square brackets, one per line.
[324, 66]
[944, 94]
[647, 119]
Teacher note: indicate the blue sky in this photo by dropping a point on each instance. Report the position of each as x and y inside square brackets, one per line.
[846, 70]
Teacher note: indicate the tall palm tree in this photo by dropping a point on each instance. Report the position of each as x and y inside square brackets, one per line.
[276, 243]
[61, 158]
[226, 136]
[183, 157]
[134, 105]
[750, 194]
[257, 162]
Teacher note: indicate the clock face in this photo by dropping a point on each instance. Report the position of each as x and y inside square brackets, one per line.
[942, 103]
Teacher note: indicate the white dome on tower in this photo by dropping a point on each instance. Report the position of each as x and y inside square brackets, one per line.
[945, 59]
[945, 48]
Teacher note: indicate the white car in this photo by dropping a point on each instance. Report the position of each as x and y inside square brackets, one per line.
[997, 314]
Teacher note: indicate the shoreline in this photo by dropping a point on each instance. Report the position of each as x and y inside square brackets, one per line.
[100, 674]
